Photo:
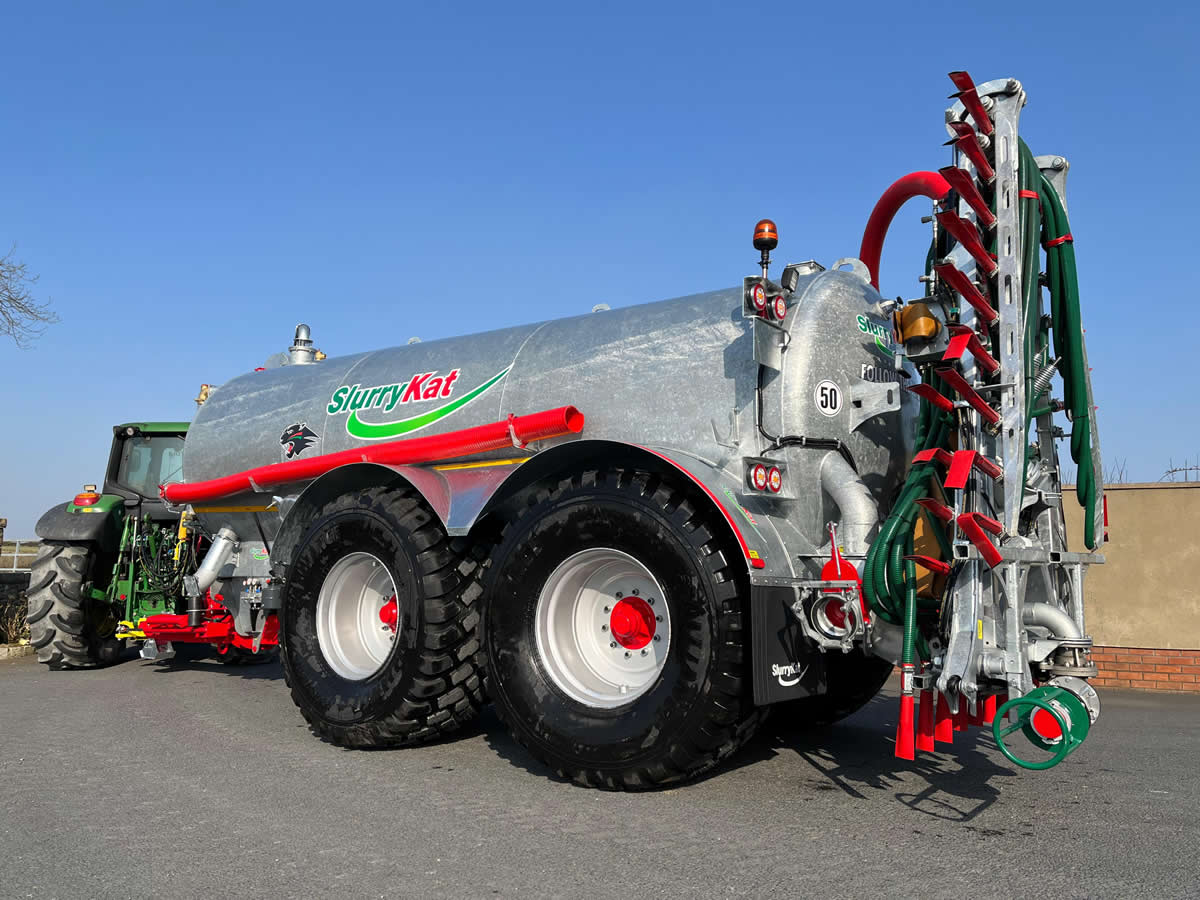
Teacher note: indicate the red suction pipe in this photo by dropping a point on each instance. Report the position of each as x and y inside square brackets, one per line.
[513, 431]
[915, 184]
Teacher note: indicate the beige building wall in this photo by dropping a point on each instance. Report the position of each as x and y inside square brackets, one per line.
[1147, 594]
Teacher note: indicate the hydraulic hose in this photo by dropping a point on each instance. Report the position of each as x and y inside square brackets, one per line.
[1068, 344]
[915, 184]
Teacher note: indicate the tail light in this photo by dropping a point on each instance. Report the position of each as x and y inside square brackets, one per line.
[758, 476]
[87, 497]
[780, 307]
[774, 480]
[758, 297]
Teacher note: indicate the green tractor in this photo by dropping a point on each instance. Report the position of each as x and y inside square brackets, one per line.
[111, 559]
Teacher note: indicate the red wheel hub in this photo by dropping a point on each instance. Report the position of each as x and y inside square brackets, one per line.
[632, 623]
[389, 613]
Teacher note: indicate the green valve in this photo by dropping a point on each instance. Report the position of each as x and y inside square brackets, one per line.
[1055, 718]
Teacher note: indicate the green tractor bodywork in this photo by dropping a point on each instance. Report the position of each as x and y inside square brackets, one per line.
[139, 571]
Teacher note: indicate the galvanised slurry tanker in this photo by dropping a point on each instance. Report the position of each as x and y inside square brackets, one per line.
[636, 530]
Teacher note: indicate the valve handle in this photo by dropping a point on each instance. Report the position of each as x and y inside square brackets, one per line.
[1068, 716]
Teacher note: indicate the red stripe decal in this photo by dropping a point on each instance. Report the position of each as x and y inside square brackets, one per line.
[755, 561]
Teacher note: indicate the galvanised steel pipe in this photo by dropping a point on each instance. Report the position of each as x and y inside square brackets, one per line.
[483, 438]
[914, 184]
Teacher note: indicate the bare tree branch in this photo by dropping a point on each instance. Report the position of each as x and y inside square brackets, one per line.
[22, 317]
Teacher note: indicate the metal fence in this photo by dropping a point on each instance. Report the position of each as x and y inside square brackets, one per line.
[17, 556]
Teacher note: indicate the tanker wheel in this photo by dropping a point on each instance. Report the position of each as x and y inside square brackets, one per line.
[378, 628]
[67, 627]
[854, 680]
[614, 631]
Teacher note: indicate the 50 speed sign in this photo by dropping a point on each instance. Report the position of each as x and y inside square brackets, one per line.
[828, 397]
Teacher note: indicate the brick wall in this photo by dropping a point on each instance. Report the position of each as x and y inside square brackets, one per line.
[1147, 669]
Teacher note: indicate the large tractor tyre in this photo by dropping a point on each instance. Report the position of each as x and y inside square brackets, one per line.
[854, 680]
[67, 627]
[378, 632]
[615, 631]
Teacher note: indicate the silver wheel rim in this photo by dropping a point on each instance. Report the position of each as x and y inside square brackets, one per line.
[351, 629]
[584, 638]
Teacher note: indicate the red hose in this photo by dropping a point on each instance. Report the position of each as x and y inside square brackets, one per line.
[915, 184]
[519, 430]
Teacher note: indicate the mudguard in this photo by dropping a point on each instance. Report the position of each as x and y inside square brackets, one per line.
[99, 524]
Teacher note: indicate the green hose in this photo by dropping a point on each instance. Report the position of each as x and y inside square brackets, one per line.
[1068, 345]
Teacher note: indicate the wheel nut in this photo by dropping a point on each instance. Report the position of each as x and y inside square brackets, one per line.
[658, 618]
[635, 592]
[619, 595]
[628, 654]
[613, 644]
[650, 600]
[643, 653]
[604, 628]
[658, 637]
[609, 609]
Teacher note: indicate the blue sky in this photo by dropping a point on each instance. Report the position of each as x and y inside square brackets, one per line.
[191, 180]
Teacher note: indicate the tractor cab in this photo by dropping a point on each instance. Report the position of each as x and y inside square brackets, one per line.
[144, 455]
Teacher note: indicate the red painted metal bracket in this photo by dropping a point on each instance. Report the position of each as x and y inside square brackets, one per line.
[940, 511]
[970, 100]
[968, 144]
[958, 280]
[965, 339]
[975, 526]
[930, 393]
[964, 232]
[953, 378]
[962, 464]
[965, 185]
[216, 628]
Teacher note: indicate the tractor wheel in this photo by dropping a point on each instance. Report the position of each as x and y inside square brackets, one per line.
[67, 628]
[378, 628]
[614, 631]
[854, 680]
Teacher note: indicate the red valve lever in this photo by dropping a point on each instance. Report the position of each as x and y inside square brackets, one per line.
[933, 565]
[962, 464]
[939, 510]
[964, 286]
[970, 100]
[964, 232]
[937, 454]
[968, 143]
[965, 185]
[973, 525]
[966, 340]
[930, 393]
[976, 402]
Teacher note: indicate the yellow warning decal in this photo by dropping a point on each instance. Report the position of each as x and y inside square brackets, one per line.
[482, 465]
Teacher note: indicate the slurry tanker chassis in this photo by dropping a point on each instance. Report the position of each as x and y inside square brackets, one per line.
[636, 531]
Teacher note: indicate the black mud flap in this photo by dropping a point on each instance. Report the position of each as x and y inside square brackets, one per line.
[787, 665]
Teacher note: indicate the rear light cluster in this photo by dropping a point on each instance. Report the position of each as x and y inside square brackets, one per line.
[765, 306]
[765, 477]
[87, 497]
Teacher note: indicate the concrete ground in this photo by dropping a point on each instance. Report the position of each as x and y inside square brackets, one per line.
[192, 779]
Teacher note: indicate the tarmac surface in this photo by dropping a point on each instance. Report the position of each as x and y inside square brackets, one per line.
[193, 779]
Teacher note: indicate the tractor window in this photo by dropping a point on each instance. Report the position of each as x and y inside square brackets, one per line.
[147, 462]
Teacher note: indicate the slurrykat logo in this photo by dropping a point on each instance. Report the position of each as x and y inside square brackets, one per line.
[423, 386]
